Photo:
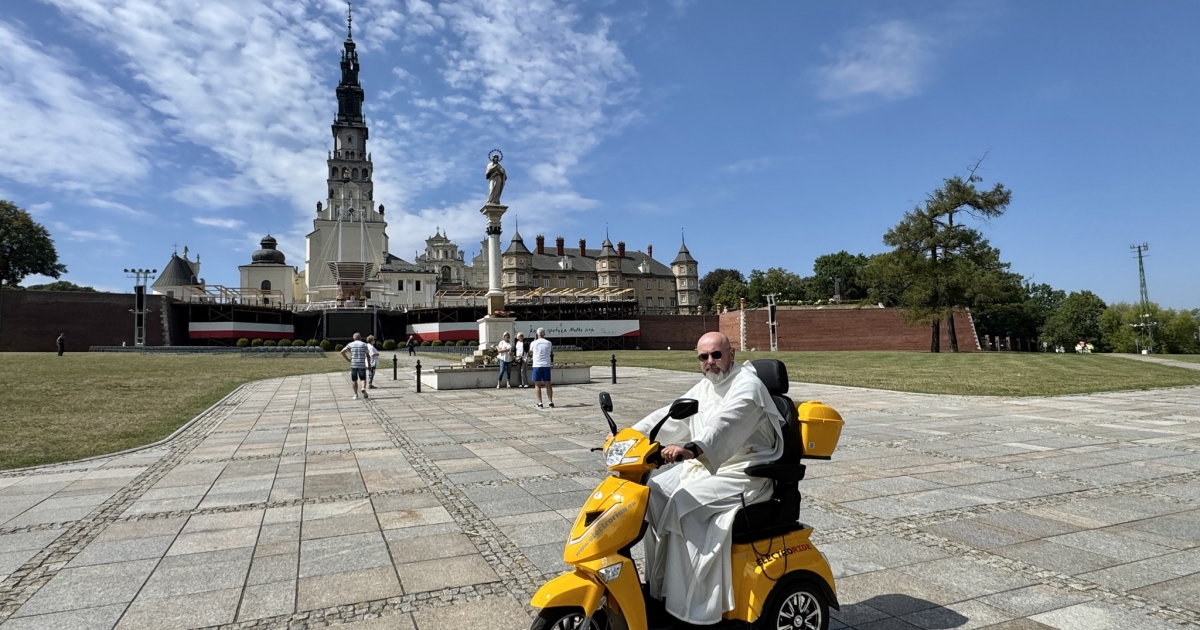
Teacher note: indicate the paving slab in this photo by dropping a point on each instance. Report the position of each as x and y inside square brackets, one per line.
[292, 505]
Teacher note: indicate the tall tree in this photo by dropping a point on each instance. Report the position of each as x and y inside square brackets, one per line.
[730, 294]
[713, 281]
[1077, 319]
[787, 286]
[61, 285]
[953, 263]
[25, 247]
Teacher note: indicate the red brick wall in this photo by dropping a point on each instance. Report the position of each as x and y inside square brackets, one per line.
[842, 329]
[30, 321]
[678, 332]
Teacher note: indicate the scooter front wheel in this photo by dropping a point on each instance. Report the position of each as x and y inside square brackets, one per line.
[796, 605]
[568, 619]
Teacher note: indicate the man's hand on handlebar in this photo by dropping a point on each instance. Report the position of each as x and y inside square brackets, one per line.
[672, 454]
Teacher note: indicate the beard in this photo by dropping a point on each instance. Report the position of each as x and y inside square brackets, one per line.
[718, 375]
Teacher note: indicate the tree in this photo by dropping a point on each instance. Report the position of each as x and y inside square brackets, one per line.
[1077, 319]
[25, 247]
[842, 266]
[787, 286]
[730, 294]
[713, 281]
[61, 285]
[951, 264]
[1020, 312]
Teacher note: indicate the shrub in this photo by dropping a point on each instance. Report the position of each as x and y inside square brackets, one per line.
[313, 343]
[243, 343]
[437, 342]
[472, 343]
[389, 344]
[325, 345]
[338, 348]
[425, 343]
[284, 343]
[270, 343]
[256, 343]
[461, 342]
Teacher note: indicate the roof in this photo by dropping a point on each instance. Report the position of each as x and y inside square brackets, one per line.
[393, 263]
[517, 245]
[630, 265]
[684, 256]
[177, 273]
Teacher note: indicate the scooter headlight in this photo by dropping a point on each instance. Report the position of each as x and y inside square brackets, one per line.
[610, 572]
[617, 451]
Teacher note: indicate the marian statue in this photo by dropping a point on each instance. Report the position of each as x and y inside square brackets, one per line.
[496, 177]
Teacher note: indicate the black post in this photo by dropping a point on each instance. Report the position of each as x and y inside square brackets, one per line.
[613, 360]
[394, 365]
[418, 376]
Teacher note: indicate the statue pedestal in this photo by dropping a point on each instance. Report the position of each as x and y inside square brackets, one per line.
[491, 331]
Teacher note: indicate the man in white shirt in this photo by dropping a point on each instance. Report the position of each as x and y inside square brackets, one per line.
[540, 350]
[356, 353]
[372, 361]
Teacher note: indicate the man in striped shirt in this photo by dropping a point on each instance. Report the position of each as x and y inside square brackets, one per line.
[356, 353]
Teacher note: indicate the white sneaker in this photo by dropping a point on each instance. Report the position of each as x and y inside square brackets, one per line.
[355, 395]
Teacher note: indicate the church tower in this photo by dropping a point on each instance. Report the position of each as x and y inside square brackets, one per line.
[348, 227]
[687, 281]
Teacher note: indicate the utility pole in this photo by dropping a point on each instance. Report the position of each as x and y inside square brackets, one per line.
[1144, 298]
[141, 277]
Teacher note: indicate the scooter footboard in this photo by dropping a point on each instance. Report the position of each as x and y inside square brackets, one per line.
[584, 588]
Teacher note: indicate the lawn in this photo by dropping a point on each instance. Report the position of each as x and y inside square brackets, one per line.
[1190, 358]
[55, 409]
[980, 374]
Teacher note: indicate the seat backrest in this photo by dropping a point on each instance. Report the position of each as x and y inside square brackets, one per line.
[773, 374]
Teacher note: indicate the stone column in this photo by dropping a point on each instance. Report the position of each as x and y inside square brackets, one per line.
[495, 294]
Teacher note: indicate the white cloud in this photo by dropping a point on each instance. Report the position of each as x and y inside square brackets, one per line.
[64, 127]
[748, 165]
[116, 207]
[884, 62]
[229, 224]
[104, 235]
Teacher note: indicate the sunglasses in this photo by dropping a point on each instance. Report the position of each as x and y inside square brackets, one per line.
[715, 354]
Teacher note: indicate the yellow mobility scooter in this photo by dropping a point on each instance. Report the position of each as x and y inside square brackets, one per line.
[780, 580]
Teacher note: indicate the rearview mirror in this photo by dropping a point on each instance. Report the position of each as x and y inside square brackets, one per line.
[606, 402]
[684, 408]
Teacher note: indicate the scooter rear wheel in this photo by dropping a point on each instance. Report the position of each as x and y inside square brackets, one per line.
[796, 605]
[567, 619]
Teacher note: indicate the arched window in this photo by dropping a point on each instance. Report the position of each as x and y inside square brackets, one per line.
[366, 174]
[446, 274]
[345, 173]
[331, 193]
[266, 285]
[354, 174]
[349, 141]
[333, 171]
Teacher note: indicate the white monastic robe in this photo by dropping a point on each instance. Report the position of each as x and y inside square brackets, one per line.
[692, 503]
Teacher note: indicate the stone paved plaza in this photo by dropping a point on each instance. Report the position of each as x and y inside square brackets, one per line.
[292, 505]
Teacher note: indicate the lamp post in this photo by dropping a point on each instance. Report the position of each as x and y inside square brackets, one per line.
[141, 277]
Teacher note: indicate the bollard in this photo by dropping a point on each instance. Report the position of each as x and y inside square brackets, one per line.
[418, 376]
[395, 364]
[614, 369]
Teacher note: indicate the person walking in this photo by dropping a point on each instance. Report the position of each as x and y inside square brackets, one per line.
[356, 353]
[519, 356]
[504, 357]
[540, 350]
[411, 345]
[372, 361]
[61, 343]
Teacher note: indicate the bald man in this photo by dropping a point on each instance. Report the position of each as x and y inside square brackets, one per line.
[692, 504]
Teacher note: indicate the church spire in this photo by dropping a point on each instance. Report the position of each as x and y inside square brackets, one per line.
[349, 91]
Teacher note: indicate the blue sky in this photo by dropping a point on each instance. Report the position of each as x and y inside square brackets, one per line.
[772, 132]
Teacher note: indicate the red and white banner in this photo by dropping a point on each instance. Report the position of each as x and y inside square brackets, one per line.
[237, 330]
[469, 331]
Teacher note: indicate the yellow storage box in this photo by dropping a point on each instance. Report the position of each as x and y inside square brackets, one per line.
[820, 429]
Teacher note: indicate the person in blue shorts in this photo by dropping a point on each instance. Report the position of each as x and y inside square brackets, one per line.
[356, 353]
[540, 350]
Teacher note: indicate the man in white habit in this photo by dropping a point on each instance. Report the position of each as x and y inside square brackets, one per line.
[692, 504]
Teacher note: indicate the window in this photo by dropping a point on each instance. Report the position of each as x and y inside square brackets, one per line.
[521, 278]
[672, 302]
[604, 281]
[660, 302]
[546, 282]
[399, 285]
[683, 299]
[579, 283]
[604, 264]
[418, 285]
[354, 174]
[660, 285]
[508, 277]
[593, 282]
[366, 174]
[331, 190]
[332, 173]
[649, 284]
[630, 282]
[349, 141]
[345, 173]
[562, 283]
[649, 302]
[266, 285]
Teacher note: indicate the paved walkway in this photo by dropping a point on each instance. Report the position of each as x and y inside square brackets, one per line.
[291, 505]
[1161, 359]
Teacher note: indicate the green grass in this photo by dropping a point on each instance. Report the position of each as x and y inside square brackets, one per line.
[978, 374]
[55, 409]
[1189, 358]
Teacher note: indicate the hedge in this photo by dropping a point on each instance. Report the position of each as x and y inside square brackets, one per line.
[243, 343]
[256, 343]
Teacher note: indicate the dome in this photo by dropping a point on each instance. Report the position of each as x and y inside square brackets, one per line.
[268, 254]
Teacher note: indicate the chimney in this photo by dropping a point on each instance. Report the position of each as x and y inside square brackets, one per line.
[621, 249]
[541, 244]
[649, 251]
[582, 248]
[560, 247]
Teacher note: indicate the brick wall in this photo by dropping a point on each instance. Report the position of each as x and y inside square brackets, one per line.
[30, 321]
[842, 329]
[678, 332]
